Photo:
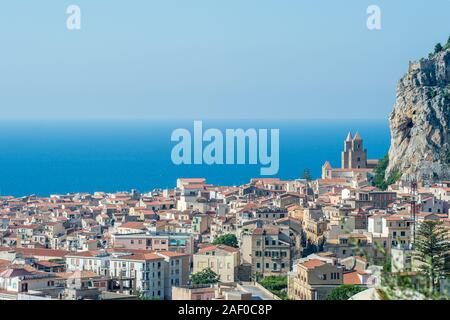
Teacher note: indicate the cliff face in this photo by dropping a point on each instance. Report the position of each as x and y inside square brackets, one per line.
[420, 121]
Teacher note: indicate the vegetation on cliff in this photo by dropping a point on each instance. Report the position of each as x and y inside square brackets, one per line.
[380, 180]
[438, 48]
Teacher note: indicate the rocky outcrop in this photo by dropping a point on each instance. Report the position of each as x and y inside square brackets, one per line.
[420, 121]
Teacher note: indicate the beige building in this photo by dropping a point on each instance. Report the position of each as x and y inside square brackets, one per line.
[267, 250]
[222, 259]
[193, 292]
[314, 279]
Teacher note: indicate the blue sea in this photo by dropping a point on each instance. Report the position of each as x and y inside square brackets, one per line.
[48, 157]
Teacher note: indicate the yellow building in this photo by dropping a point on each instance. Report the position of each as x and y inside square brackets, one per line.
[222, 259]
[313, 279]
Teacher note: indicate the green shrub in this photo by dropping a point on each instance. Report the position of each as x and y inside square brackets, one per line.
[227, 239]
[344, 292]
[276, 284]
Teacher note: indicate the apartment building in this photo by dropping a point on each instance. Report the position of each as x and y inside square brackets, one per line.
[267, 250]
[157, 241]
[145, 269]
[222, 259]
[395, 227]
[176, 270]
[95, 260]
[152, 273]
[314, 279]
[21, 279]
[269, 213]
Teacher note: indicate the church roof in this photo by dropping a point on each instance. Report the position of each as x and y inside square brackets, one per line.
[357, 137]
[349, 137]
[327, 165]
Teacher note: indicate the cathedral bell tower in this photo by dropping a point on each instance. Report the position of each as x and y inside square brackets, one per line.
[354, 155]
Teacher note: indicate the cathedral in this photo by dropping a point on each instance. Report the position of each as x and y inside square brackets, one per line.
[354, 161]
[354, 155]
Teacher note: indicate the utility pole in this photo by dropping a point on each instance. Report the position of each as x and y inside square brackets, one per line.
[413, 207]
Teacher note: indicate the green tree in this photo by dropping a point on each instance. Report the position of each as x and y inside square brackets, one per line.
[228, 239]
[380, 180]
[379, 171]
[430, 249]
[438, 48]
[206, 276]
[344, 292]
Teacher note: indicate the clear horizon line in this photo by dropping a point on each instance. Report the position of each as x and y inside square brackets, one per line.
[190, 119]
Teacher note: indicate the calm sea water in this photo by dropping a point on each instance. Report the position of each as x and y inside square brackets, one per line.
[46, 157]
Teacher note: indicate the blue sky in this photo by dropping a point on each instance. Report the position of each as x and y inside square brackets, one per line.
[210, 58]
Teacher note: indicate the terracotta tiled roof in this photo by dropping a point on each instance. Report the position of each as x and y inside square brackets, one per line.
[311, 264]
[218, 247]
[133, 225]
[37, 252]
[352, 278]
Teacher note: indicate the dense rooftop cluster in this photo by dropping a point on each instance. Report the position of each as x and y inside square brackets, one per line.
[177, 243]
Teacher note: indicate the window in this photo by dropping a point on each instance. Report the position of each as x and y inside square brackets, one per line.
[258, 265]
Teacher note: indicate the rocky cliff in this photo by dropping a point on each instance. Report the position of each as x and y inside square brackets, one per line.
[420, 121]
